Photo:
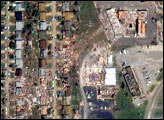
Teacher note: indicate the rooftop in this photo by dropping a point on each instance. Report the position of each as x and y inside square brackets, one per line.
[42, 16]
[18, 54]
[42, 34]
[18, 16]
[19, 63]
[19, 44]
[43, 25]
[42, 6]
[19, 7]
[19, 25]
[42, 44]
[110, 77]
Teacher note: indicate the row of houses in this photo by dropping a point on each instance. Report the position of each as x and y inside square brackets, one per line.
[19, 10]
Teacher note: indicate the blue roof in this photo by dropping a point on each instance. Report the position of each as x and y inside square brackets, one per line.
[18, 16]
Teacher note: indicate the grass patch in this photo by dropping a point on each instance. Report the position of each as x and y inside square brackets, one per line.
[125, 109]
[160, 101]
[160, 75]
[12, 28]
[151, 88]
[159, 112]
[87, 13]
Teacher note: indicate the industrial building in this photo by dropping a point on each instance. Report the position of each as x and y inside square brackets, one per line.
[131, 81]
[110, 76]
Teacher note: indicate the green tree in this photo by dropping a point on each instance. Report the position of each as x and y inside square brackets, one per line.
[48, 9]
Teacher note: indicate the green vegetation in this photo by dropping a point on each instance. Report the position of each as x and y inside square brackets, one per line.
[49, 65]
[2, 17]
[12, 28]
[151, 88]
[35, 44]
[160, 101]
[87, 13]
[2, 47]
[2, 4]
[59, 28]
[12, 45]
[2, 37]
[76, 97]
[59, 18]
[160, 75]
[159, 112]
[125, 109]
[49, 36]
[34, 35]
[2, 65]
[48, 18]
[11, 75]
[76, 92]
[48, 9]
[114, 62]
[27, 50]
[51, 84]
[59, 36]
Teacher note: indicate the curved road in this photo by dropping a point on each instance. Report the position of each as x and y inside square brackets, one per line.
[153, 101]
[82, 90]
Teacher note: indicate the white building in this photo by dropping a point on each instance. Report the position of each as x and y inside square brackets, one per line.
[19, 63]
[110, 77]
[19, 25]
[18, 54]
[110, 59]
[19, 44]
[43, 25]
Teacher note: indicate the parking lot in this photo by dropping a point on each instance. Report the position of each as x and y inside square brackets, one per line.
[145, 64]
[100, 109]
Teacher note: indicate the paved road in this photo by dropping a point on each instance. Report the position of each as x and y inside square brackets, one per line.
[82, 90]
[153, 101]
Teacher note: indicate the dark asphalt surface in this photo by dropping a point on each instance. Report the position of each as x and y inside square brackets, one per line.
[99, 113]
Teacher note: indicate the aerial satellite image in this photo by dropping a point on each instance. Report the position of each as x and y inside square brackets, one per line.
[81, 59]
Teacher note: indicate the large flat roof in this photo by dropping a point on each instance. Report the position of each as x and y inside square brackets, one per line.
[110, 77]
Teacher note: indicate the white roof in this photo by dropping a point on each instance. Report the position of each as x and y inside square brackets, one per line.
[19, 25]
[19, 7]
[19, 44]
[18, 84]
[43, 25]
[18, 54]
[19, 63]
[110, 59]
[110, 77]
